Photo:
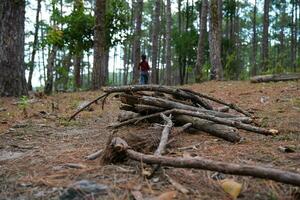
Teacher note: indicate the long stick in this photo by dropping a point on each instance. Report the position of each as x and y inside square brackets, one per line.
[227, 122]
[163, 141]
[230, 105]
[159, 88]
[87, 105]
[206, 164]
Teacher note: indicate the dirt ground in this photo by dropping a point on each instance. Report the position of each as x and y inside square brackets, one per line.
[37, 141]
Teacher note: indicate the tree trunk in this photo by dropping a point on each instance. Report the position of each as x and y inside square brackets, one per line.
[12, 75]
[105, 67]
[66, 64]
[136, 50]
[34, 45]
[254, 42]
[168, 43]
[265, 38]
[201, 41]
[98, 77]
[77, 69]
[155, 38]
[214, 42]
[50, 67]
[275, 78]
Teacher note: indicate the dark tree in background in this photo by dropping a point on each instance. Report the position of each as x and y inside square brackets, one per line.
[265, 39]
[98, 77]
[201, 42]
[214, 41]
[12, 72]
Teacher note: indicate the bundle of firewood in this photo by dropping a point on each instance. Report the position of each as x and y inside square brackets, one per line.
[204, 112]
[175, 106]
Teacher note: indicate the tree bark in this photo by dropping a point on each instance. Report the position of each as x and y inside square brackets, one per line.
[218, 130]
[77, 69]
[34, 45]
[214, 41]
[50, 68]
[12, 75]
[265, 38]
[136, 50]
[98, 75]
[254, 42]
[155, 38]
[168, 43]
[278, 175]
[201, 42]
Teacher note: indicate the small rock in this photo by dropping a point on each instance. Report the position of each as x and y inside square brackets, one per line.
[83, 189]
[155, 179]
[25, 184]
[287, 149]
[2, 109]
[218, 176]
[10, 130]
[40, 194]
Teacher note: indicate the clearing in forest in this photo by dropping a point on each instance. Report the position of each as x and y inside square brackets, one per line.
[42, 153]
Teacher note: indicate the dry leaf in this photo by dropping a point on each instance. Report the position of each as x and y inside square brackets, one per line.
[167, 195]
[137, 195]
[231, 187]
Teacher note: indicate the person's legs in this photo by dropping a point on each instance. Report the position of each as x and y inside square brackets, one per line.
[146, 78]
[142, 79]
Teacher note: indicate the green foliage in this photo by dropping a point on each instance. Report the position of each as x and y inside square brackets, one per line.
[55, 37]
[79, 29]
[23, 104]
[117, 22]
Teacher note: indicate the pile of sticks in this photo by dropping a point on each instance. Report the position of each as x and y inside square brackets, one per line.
[176, 106]
[205, 113]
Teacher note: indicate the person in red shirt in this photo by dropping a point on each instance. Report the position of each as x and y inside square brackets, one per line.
[144, 69]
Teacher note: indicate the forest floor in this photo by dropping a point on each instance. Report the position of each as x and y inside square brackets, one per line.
[37, 145]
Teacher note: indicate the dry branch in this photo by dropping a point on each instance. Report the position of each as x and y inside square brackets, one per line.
[222, 131]
[172, 104]
[218, 130]
[87, 105]
[159, 88]
[121, 147]
[164, 136]
[95, 155]
[227, 122]
[163, 141]
[230, 105]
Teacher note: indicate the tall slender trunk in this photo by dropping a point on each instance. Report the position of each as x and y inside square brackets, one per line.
[77, 68]
[88, 70]
[214, 42]
[105, 70]
[155, 40]
[50, 68]
[34, 45]
[168, 43]
[136, 51]
[98, 75]
[201, 42]
[254, 42]
[125, 71]
[12, 69]
[294, 35]
[67, 65]
[265, 39]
